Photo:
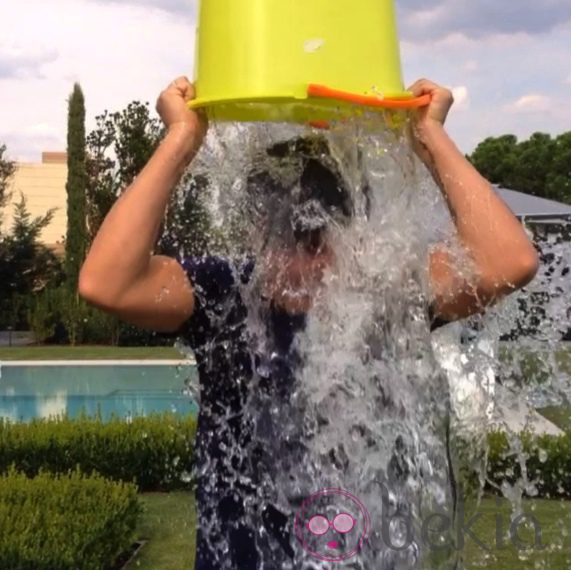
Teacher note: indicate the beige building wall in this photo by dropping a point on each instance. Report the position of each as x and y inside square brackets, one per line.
[43, 185]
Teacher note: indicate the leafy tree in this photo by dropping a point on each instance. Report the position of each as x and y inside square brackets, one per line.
[41, 318]
[558, 185]
[496, 159]
[533, 165]
[76, 240]
[26, 266]
[118, 149]
[540, 166]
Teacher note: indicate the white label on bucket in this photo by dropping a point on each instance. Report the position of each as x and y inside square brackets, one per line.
[311, 46]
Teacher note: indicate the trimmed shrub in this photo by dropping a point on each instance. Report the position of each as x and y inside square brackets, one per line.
[547, 461]
[64, 522]
[154, 452]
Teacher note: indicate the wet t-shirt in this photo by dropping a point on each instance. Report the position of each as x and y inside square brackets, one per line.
[238, 440]
[230, 466]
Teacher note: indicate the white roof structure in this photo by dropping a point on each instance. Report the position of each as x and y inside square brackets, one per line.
[534, 208]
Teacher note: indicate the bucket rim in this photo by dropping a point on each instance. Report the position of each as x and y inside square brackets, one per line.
[289, 97]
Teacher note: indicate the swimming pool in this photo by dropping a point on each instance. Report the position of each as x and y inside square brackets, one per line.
[31, 390]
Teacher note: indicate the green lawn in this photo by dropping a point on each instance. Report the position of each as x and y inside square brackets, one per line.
[168, 527]
[554, 518]
[169, 522]
[531, 361]
[89, 353]
[560, 416]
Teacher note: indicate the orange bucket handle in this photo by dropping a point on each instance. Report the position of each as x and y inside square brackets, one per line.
[370, 101]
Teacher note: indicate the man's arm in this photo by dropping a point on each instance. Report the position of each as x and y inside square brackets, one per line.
[121, 275]
[503, 257]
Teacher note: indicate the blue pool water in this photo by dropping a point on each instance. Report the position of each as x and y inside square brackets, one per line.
[124, 389]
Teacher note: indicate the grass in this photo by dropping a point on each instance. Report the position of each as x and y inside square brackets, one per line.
[531, 362]
[560, 416]
[168, 525]
[554, 520]
[89, 353]
[169, 521]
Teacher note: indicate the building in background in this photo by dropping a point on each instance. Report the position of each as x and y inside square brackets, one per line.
[43, 186]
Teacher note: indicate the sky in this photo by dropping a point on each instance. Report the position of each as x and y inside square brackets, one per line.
[508, 62]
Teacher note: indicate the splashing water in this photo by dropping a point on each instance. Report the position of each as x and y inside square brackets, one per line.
[357, 398]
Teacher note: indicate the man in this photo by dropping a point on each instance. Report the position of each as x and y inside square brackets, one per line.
[201, 299]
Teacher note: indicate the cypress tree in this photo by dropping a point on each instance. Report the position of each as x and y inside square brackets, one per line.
[76, 240]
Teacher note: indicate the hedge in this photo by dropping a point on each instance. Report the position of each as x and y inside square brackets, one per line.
[547, 460]
[65, 522]
[156, 453]
[153, 452]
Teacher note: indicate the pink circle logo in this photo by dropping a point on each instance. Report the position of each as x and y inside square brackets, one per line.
[332, 525]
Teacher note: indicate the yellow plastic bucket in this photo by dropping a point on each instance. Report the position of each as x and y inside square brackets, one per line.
[297, 60]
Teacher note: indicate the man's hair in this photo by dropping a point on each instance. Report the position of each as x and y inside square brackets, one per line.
[321, 193]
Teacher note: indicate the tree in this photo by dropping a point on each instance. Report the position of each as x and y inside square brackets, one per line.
[76, 240]
[533, 165]
[496, 159]
[118, 149]
[540, 166]
[558, 185]
[26, 266]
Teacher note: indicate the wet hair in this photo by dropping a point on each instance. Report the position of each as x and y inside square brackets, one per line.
[319, 194]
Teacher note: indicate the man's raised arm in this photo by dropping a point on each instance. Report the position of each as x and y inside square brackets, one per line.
[121, 275]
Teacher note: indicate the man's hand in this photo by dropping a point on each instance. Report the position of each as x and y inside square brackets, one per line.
[187, 125]
[441, 102]
[430, 117]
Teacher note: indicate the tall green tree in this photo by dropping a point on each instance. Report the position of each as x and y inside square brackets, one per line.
[76, 240]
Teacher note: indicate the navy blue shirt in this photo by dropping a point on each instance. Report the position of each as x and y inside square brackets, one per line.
[232, 454]
[236, 443]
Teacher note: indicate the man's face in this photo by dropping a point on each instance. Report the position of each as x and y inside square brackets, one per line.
[306, 197]
[293, 276]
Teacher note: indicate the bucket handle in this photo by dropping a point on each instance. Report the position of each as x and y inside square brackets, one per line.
[324, 92]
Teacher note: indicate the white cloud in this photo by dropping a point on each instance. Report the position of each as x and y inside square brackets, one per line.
[531, 103]
[118, 52]
[124, 50]
[17, 60]
[461, 97]
[431, 19]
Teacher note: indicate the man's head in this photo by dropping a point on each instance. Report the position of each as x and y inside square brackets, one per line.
[302, 190]
[302, 194]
